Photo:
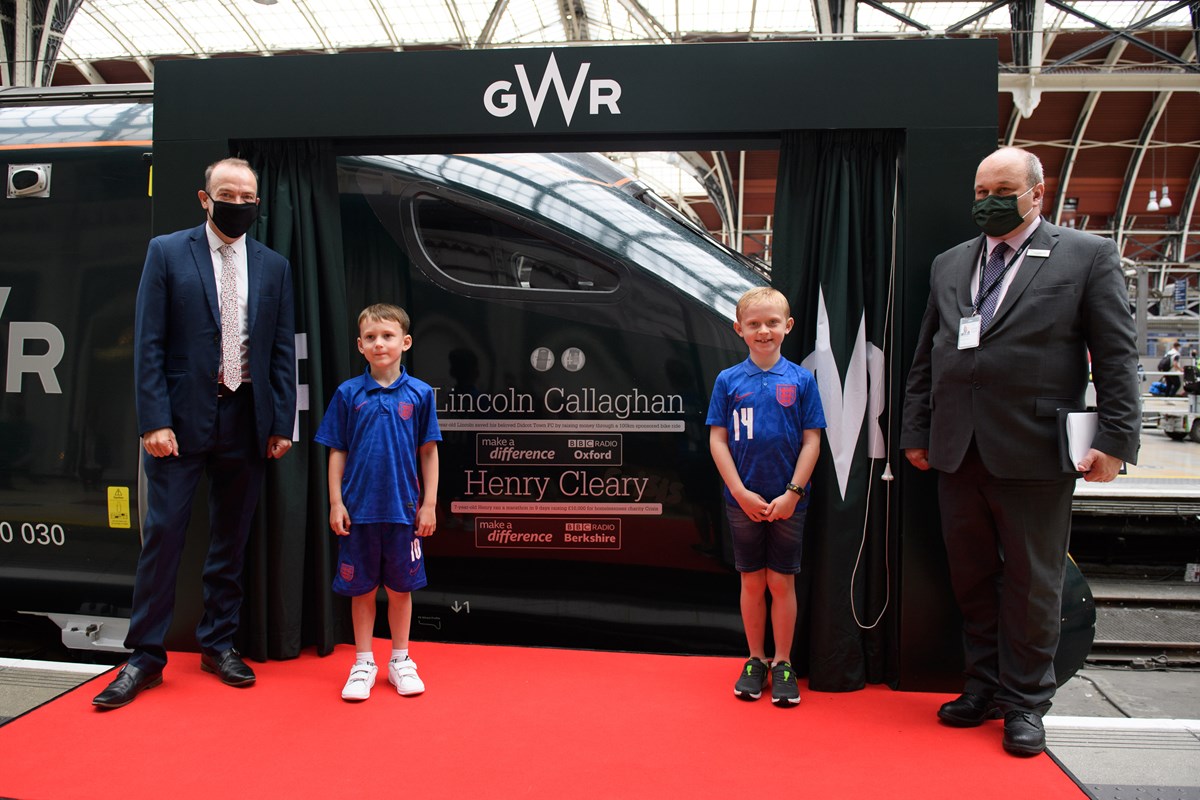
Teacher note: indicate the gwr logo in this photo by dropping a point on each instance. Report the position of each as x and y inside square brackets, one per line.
[20, 362]
[501, 101]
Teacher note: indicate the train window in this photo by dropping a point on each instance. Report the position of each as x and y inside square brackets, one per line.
[478, 250]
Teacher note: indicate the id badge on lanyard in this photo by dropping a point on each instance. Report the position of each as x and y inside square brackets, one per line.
[969, 329]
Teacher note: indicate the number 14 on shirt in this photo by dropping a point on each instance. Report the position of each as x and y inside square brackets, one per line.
[743, 418]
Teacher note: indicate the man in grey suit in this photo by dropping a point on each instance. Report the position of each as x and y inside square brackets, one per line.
[1012, 319]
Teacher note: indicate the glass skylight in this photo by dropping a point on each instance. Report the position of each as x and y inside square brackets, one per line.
[107, 29]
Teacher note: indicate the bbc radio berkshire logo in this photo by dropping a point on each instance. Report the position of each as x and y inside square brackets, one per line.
[501, 100]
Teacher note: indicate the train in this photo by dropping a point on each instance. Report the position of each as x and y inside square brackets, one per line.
[570, 320]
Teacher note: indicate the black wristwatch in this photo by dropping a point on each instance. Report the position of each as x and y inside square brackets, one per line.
[791, 487]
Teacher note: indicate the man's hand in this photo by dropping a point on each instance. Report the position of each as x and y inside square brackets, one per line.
[918, 457]
[160, 442]
[1099, 467]
[277, 446]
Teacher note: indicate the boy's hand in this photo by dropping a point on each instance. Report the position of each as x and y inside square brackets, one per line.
[339, 519]
[782, 507]
[426, 520]
[753, 504]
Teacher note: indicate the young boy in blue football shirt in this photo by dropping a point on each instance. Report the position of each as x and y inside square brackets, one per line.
[765, 421]
[382, 431]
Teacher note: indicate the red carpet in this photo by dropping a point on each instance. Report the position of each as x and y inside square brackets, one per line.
[503, 722]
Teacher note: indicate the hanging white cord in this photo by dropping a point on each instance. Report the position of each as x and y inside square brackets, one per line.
[889, 336]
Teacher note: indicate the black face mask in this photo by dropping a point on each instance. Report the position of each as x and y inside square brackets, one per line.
[232, 219]
[996, 215]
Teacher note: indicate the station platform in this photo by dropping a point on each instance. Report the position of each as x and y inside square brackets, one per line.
[1164, 482]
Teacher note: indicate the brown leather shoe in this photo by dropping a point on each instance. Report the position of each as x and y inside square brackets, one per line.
[968, 710]
[129, 681]
[229, 667]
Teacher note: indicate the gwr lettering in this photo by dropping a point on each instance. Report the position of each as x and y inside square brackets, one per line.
[500, 101]
[40, 364]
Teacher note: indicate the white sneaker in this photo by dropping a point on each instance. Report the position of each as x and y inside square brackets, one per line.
[403, 675]
[362, 678]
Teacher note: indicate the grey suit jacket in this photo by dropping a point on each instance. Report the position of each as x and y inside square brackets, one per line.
[1031, 361]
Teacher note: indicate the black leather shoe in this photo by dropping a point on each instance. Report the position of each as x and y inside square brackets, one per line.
[229, 667]
[1024, 734]
[968, 710]
[129, 681]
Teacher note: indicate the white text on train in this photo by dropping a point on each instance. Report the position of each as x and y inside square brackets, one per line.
[501, 101]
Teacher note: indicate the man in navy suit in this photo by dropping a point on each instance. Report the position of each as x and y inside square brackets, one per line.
[1013, 316]
[215, 389]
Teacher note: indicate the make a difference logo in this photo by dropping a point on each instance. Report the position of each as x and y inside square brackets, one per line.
[501, 100]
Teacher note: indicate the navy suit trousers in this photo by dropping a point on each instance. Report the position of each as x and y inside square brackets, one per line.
[235, 470]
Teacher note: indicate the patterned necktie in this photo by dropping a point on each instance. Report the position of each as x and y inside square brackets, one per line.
[231, 335]
[990, 282]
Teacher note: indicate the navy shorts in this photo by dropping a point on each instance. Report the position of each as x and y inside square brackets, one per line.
[772, 545]
[379, 549]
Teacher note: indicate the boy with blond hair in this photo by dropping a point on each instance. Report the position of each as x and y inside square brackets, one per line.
[765, 421]
[382, 431]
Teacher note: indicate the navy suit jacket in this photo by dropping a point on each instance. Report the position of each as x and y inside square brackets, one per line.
[177, 335]
[1031, 361]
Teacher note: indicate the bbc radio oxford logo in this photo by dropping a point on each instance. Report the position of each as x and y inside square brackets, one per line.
[501, 100]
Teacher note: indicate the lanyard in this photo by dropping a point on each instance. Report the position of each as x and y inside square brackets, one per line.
[983, 293]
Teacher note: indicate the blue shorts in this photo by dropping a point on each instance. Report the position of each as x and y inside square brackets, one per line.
[373, 548]
[772, 545]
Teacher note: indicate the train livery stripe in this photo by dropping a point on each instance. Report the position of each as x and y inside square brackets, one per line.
[63, 145]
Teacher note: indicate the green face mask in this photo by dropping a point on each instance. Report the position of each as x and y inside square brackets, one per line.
[997, 215]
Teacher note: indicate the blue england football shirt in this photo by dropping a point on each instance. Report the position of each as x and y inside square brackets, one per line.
[381, 428]
[765, 414]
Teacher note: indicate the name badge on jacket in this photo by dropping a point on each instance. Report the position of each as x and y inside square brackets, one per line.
[968, 332]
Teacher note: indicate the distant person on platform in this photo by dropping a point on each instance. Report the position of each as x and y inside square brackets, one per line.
[215, 375]
[1004, 344]
[382, 431]
[765, 420]
[1172, 369]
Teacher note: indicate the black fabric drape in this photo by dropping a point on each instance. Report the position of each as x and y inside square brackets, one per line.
[289, 562]
[833, 260]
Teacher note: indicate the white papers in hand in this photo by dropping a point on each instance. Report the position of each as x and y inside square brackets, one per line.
[1081, 430]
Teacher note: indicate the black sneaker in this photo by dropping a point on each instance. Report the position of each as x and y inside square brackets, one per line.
[749, 685]
[784, 691]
